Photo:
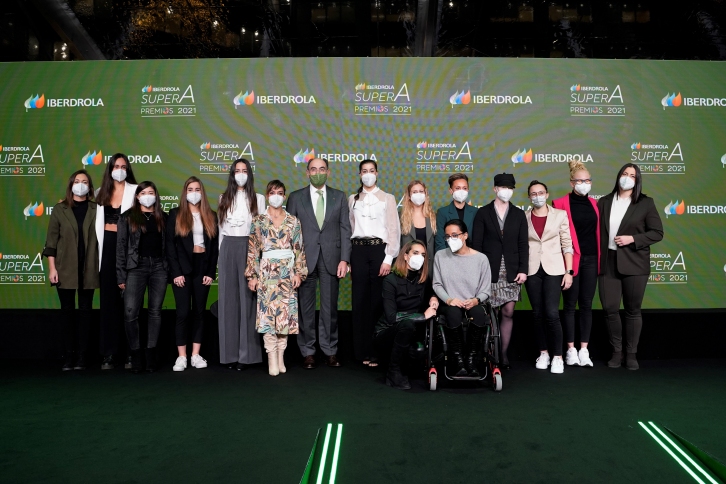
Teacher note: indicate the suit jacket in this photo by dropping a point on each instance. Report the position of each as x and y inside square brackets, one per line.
[513, 245]
[61, 242]
[126, 202]
[332, 240]
[555, 241]
[643, 223]
[444, 214]
[564, 204]
[411, 236]
[179, 250]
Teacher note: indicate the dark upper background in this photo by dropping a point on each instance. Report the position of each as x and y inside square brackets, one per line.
[63, 30]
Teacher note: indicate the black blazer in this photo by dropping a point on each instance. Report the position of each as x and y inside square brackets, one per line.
[179, 250]
[127, 247]
[643, 223]
[513, 244]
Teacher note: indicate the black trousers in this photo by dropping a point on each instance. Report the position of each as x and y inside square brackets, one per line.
[365, 264]
[631, 289]
[111, 328]
[581, 294]
[400, 334]
[455, 316]
[191, 298]
[76, 324]
[544, 295]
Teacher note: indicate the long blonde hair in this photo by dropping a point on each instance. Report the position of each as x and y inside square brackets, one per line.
[408, 208]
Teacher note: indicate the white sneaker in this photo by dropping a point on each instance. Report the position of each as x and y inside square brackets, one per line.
[543, 361]
[558, 366]
[571, 357]
[181, 364]
[198, 361]
[584, 356]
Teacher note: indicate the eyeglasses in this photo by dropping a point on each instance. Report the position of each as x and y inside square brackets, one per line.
[321, 170]
[452, 236]
[537, 194]
[580, 181]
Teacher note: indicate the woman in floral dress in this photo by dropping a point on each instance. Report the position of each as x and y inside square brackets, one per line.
[275, 268]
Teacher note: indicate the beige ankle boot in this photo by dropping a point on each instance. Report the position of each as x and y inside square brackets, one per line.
[270, 341]
[281, 345]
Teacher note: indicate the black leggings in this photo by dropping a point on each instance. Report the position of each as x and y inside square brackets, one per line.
[111, 328]
[76, 326]
[191, 298]
[455, 316]
[365, 264]
[580, 293]
[544, 295]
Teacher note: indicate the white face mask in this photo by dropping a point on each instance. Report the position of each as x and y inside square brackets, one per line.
[240, 178]
[194, 197]
[418, 199]
[369, 179]
[118, 175]
[416, 261]
[147, 200]
[583, 189]
[276, 200]
[626, 183]
[539, 200]
[505, 194]
[455, 244]
[461, 195]
[79, 189]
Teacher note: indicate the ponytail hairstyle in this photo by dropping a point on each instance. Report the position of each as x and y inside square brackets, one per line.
[185, 220]
[226, 202]
[136, 218]
[360, 168]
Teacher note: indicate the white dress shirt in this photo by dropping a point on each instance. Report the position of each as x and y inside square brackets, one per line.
[237, 223]
[617, 212]
[198, 230]
[374, 215]
[314, 198]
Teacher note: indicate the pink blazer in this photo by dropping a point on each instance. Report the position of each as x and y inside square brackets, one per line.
[564, 204]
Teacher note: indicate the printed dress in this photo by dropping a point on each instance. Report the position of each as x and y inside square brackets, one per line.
[277, 306]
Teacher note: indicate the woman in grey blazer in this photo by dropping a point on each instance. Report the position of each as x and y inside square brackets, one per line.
[418, 220]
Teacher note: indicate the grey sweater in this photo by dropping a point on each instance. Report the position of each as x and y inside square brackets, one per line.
[462, 276]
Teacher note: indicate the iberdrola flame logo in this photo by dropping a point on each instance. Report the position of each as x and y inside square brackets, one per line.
[244, 98]
[635, 146]
[33, 210]
[36, 102]
[304, 156]
[671, 100]
[360, 87]
[146, 89]
[205, 146]
[460, 98]
[92, 158]
[422, 145]
[522, 156]
[723, 161]
[575, 88]
[677, 208]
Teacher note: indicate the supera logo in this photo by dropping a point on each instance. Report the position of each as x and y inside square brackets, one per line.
[671, 100]
[677, 208]
[246, 98]
[460, 98]
[36, 102]
[92, 158]
[33, 210]
[522, 156]
[304, 156]
[216, 158]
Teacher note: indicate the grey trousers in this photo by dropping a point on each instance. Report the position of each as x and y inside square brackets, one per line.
[328, 325]
[239, 342]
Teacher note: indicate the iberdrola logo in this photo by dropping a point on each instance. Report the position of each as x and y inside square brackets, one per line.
[671, 100]
[575, 88]
[304, 156]
[244, 98]
[723, 161]
[33, 210]
[92, 158]
[677, 208]
[460, 98]
[522, 156]
[146, 89]
[205, 146]
[36, 102]
[422, 145]
[635, 146]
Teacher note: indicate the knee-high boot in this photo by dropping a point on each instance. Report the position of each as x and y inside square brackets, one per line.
[281, 345]
[395, 378]
[270, 340]
[456, 345]
[473, 347]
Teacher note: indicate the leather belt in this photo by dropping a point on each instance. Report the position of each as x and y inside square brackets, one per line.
[373, 241]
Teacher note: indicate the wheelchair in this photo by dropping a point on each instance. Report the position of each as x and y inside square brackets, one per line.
[435, 350]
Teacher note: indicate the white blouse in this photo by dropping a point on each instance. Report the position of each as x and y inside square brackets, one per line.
[374, 215]
[198, 230]
[617, 212]
[237, 223]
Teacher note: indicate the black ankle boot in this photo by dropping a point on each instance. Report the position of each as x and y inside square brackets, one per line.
[80, 361]
[456, 338]
[473, 347]
[68, 361]
[135, 361]
[394, 377]
[151, 360]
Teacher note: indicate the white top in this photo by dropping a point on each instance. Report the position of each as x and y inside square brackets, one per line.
[374, 215]
[198, 230]
[237, 223]
[314, 198]
[126, 202]
[617, 212]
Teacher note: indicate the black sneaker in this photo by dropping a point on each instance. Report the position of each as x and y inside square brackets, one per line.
[128, 365]
[68, 362]
[107, 363]
[80, 362]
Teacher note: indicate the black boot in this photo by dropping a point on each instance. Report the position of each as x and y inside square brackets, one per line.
[151, 360]
[68, 361]
[135, 361]
[456, 339]
[395, 378]
[81, 361]
[473, 347]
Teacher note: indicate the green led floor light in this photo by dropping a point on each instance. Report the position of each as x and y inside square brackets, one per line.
[713, 464]
[688, 458]
[334, 467]
[324, 456]
[321, 470]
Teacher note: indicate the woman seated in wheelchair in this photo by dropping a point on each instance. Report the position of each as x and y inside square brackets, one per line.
[407, 299]
[462, 281]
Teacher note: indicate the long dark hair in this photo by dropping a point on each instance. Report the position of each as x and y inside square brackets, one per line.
[136, 218]
[227, 200]
[637, 194]
[185, 219]
[400, 266]
[360, 168]
[69, 188]
[106, 191]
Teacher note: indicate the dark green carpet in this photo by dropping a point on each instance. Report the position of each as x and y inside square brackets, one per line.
[216, 425]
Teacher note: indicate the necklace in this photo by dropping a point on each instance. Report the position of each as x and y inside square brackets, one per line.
[148, 215]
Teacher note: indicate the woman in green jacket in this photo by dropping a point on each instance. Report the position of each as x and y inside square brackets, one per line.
[72, 251]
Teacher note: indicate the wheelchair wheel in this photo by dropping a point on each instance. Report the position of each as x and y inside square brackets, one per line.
[433, 380]
[497, 382]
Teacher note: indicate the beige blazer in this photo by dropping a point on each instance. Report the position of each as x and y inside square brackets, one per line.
[555, 242]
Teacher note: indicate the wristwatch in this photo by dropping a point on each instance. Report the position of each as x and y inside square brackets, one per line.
[571, 272]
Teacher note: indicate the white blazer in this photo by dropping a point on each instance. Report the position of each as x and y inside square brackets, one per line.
[548, 250]
[126, 202]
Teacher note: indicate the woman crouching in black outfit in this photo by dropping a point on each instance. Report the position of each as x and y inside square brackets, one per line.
[406, 292]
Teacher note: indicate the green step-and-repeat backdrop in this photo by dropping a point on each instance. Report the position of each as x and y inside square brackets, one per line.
[419, 118]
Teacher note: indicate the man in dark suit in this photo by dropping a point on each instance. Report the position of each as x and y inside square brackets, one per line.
[323, 215]
[457, 209]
